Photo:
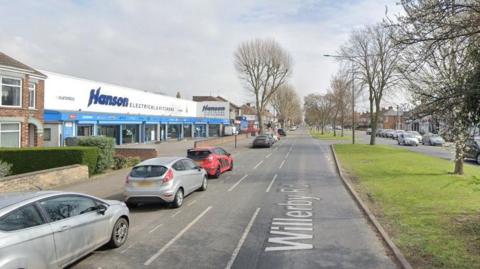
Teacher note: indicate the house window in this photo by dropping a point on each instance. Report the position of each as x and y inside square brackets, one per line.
[47, 134]
[10, 135]
[31, 94]
[11, 92]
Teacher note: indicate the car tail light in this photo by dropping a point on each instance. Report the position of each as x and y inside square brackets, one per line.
[168, 176]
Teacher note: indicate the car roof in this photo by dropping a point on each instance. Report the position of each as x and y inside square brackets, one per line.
[161, 161]
[11, 198]
[203, 148]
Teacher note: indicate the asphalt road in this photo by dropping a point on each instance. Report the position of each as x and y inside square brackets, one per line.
[283, 207]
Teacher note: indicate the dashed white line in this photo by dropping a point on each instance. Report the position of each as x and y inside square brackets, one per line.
[242, 240]
[286, 156]
[258, 164]
[281, 165]
[176, 213]
[155, 228]
[271, 183]
[270, 154]
[238, 182]
[167, 245]
[129, 247]
[192, 202]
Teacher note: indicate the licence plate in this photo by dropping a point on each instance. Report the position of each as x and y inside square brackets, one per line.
[143, 184]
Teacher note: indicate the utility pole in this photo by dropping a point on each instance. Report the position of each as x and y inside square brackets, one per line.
[353, 103]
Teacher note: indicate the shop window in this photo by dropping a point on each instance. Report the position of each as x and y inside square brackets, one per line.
[31, 94]
[11, 92]
[47, 134]
[10, 135]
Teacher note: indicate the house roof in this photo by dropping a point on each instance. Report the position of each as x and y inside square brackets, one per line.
[213, 98]
[10, 63]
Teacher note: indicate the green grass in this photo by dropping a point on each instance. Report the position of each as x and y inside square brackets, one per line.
[330, 136]
[432, 215]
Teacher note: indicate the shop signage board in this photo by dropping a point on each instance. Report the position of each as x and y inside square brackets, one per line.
[213, 109]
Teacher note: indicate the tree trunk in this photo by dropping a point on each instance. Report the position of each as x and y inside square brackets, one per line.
[373, 122]
[260, 122]
[459, 153]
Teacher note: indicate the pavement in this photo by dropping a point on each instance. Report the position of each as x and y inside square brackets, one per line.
[283, 207]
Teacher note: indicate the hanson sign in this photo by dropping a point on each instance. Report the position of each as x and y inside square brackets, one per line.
[214, 109]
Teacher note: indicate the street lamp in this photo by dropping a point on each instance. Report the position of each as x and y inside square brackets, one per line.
[353, 91]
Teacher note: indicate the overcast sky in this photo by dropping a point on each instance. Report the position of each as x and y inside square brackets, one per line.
[185, 46]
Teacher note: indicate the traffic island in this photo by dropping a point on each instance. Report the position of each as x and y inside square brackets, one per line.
[432, 216]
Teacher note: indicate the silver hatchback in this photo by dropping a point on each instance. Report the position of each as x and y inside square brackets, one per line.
[54, 229]
[164, 180]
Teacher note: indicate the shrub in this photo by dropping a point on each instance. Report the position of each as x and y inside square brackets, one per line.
[5, 169]
[119, 162]
[106, 150]
[132, 161]
[26, 160]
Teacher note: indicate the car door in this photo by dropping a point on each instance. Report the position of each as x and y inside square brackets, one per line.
[226, 158]
[194, 175]
[222, 157]
[26, 240]
[182, 176]
[77, 227]
[471, 149]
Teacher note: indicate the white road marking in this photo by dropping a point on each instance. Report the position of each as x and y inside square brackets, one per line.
[167, 245]
[192, 202]
[281, 165]
[286, 156]
[155, 228]
[258, 164]
[242, 240]
[271, 183]
[129, 247]
[176, 213]
[238, 182]
[270, 154]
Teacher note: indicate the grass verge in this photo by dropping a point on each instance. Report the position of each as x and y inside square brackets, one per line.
[330, 136]
[431, 215]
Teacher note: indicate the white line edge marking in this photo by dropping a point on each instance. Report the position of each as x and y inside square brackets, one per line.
[155, 228]
[192, 202]
[271, 183]
[268, 156]
[167, 245]
[258, 164]
[176, 213]
[238, 182]
[281, 165]
[242, 240]
[129, 247]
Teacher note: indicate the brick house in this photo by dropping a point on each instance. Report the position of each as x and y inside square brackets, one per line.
[21, 104]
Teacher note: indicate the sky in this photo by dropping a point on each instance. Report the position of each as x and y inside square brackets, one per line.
[185, 46]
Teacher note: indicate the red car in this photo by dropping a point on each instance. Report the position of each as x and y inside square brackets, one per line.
[214, 160]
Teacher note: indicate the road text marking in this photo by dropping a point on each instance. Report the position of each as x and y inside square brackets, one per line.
[271, 183]
[242, 240]
[238, 182]
[156, 255]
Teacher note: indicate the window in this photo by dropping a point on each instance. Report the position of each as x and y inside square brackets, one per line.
[31, 94]
[148, 171]
[63, 207]
[22, 218]
[47, 134]
[189, 165]
[10, 135]
[178, 166]
[11, 92]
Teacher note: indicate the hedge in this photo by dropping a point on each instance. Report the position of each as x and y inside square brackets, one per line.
[26, 160]
[106, 150]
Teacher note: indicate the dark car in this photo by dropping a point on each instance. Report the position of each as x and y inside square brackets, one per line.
[262, 141]
[214, 160]
[473, 149]
[282, 132]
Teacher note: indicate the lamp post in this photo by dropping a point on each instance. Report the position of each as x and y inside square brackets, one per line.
[353, 92]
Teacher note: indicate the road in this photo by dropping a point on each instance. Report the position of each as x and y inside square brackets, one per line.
[283, 207]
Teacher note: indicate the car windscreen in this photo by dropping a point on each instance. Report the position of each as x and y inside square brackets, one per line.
[148, 171]
[198, 154]
[408, 135]
[262, 137]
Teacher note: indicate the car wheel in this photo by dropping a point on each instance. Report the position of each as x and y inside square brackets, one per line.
[231, 167]
[119, 233]
[478, 158]
[178, 201]
[204, 184]
[218, 173]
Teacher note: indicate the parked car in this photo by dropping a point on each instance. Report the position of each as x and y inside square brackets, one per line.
[164, 180]
[369, 131]
[262, 141]
[215, 160]
[417, 135]
[53, 229]
[432, 140]
[378, 132]
[396, 133]
[473, 149]
[388, 133]
[272, 138]
[407, 139]
[282, 132]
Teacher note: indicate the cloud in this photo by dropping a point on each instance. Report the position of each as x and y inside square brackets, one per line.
[185, 46]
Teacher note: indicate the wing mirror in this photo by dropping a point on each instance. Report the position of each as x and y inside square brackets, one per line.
[228, 154]
[101, 209]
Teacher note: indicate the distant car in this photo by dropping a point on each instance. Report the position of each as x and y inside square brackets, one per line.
[473, 149]
[388, 133]
[378, 132]
[262, 141]
[282, 132]
[417, 135]
[432, 140]
[396, 133]
[407, 139]
[53, 229]
[369, 131]
[293, 128]
[164, 180]
[272, 138]
[215, 160]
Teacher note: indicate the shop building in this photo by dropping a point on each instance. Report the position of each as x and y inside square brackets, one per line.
[21, 104]
[80, 107]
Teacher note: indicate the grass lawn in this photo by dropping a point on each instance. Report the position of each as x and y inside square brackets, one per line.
[432, 215]
[329, 135]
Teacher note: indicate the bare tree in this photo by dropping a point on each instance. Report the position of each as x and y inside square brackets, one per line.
[375, 57]
[318, 110]
[286, 103]
[340, 85]
[263, 66]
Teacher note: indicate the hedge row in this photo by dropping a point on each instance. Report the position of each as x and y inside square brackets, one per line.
[26, 160]
[106, 149]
